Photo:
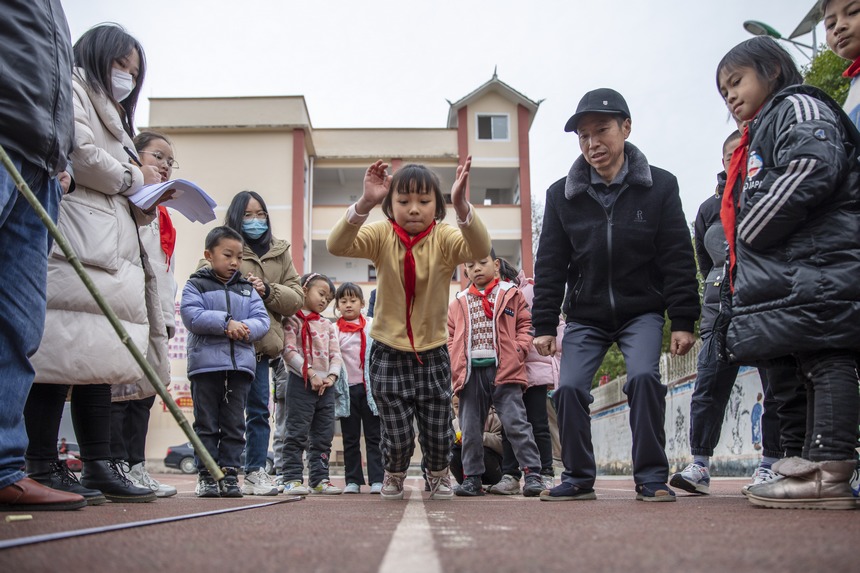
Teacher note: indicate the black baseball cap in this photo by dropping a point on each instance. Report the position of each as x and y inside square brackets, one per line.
[602, 100]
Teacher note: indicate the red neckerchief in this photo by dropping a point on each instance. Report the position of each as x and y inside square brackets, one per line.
[852, 70]
[409, 273]
[345, 326]
[307, 344]
[167, 232]
[485, 297]
[737, 172]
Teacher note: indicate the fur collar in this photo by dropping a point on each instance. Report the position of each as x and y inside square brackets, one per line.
[579, 178]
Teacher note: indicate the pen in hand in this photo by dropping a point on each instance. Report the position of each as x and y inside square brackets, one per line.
[132, 156]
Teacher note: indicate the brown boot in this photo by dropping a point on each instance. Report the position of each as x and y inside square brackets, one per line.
[805, 484]
[29, 495]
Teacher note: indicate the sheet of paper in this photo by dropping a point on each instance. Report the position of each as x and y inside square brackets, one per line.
[188, 199]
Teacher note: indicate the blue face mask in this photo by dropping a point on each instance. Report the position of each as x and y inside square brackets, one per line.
[255, 228]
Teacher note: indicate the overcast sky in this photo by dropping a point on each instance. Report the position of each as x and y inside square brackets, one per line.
[393, 64]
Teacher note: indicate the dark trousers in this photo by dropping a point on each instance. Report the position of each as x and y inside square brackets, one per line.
[715, 380]
[492, 465]
[583, 350]
[360, 414]
[833, 401]
[90, 406]
[310, 426]
[219, 414]
[535, 402]
[129, 423]
[257, 416]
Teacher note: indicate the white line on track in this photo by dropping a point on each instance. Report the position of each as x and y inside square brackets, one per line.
[411, 547]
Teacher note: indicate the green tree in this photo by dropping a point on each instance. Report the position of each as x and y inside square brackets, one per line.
[825, 72]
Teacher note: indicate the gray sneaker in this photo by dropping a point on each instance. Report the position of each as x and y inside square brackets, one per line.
[258, 482]
[141, 478]
[508, 485]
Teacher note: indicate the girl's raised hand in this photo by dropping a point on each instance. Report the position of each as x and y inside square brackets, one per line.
[458, 190]
[376, 184]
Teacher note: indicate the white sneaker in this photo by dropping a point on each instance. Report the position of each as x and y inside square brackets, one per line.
[325, 487]
[279, 483]
[440, 484]
[352, 488]
[548, 481]
[392, 485]
[296, 488]
[693, 479]
[376, 487]
[141, 478]
[855, 483]
[760, 476]
[258, 483]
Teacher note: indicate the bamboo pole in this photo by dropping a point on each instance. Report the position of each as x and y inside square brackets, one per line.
[64, 245]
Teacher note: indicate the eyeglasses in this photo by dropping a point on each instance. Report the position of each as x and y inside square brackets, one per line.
[259, 215]
[170, 162]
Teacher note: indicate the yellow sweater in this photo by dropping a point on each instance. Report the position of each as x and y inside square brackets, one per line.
[436, 257]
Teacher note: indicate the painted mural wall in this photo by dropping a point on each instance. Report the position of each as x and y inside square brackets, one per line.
[739, 448]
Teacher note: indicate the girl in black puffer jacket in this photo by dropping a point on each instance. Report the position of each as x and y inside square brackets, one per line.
[792, 220]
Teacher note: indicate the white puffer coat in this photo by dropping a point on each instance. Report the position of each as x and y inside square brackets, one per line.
[79, 345]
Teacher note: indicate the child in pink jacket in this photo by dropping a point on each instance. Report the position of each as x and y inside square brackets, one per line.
[488, 340]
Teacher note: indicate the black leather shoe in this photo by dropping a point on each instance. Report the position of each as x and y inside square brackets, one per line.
[106, 476]
[57, 475]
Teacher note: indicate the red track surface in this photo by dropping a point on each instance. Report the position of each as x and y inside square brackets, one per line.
[353, 533]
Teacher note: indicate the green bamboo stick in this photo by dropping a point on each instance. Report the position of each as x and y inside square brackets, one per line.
[25, 190]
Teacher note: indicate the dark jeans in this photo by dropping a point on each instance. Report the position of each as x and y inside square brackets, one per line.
[310, 426]
[360, 414]
[492, 465]
[715, 380]
[219, 414]
[129, 423]
[24, 246]
[583, 350]
[90, 408]
[833, 401]
[257, 427]
[535, 402]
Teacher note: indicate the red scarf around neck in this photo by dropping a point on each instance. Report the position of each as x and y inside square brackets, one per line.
[409, 273]
[167, 232]
[852, 70]
[485, 296]
[737, 172]
[307, 343]
[345, 326]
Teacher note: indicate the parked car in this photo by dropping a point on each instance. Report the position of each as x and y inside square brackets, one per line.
[181, 457]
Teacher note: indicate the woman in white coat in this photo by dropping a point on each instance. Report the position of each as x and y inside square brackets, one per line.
[80, 350]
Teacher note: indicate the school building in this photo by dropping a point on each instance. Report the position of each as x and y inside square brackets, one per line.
[308, 177]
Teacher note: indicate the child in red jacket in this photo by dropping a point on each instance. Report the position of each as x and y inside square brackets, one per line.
[489, 336]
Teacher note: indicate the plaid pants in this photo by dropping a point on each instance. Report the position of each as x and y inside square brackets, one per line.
[405, 389]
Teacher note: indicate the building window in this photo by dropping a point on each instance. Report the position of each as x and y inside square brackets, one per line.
[493, 127]
[371, 273]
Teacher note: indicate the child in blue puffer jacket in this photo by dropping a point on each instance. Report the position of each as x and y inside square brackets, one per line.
[224, 315]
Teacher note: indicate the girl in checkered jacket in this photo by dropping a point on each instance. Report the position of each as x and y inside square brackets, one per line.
[415, 256]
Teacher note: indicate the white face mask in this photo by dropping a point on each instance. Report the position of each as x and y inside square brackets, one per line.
[122, 84]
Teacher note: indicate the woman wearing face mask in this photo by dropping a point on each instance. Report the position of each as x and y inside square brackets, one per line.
[268, 265]
[80, 349]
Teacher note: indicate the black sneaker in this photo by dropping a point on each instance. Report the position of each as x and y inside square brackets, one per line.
[229, 485]
[206, 485]
[656, 491]
[533, 485]
[471, 487]
[566, 491]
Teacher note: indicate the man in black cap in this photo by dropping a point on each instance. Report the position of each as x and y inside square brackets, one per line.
[618, 224]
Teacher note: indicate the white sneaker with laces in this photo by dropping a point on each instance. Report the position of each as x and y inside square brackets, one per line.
[325, 487]
[508, 485]
[296, 488]
[440, 484]
[693, 479]
[258, 483]
[760, 476]
[279, 483]
[140, 477]
[548, 481]
[392, 485]
[376, 487]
